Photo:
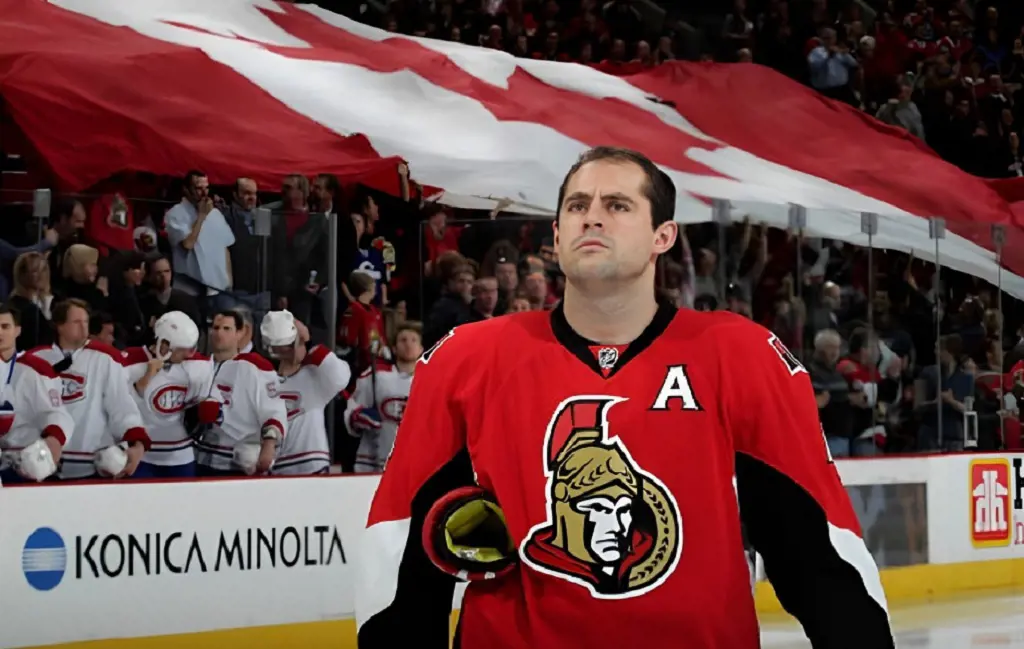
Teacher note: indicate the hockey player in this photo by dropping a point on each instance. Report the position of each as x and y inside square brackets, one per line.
[34, 425]
[308, 380]
[378, 402]
[110, 439]
[244, 402]
[577, 466]
[166, 378]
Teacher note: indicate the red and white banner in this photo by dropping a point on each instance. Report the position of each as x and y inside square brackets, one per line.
[251, 87]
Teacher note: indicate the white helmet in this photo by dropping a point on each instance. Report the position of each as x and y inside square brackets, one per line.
[177, 329]
[278, 329]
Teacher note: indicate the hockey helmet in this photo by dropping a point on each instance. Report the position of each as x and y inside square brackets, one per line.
[177, 330]
[278, 329]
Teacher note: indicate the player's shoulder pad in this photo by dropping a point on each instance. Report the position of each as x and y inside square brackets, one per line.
[474, 339]
[39, 348]
[256, 360]
[107, 350]
[134, 356]
[381, 365]
[317, 355]
[40, 366]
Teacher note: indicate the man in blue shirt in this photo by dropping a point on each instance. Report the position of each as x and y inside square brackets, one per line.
[831, 66]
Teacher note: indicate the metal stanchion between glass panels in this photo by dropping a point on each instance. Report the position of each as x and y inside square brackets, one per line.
[797, 223]
[720, 214]
[998, 241]
[869, 226]
[937, 232]
[332, 315]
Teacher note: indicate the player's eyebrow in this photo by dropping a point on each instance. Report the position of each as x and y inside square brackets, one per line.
[584, 196]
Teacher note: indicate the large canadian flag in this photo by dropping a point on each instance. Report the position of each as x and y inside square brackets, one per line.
[261, 89]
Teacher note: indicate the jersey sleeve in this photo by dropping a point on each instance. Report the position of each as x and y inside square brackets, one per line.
[402, 594]
[122, 412]
[797, 512]
[271, 411]
[362, 398]
[43, 398]
[332, 374]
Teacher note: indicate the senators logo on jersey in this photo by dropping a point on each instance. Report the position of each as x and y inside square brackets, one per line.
[611, 527]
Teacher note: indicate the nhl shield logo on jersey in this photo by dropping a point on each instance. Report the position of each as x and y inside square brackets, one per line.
[611, 527]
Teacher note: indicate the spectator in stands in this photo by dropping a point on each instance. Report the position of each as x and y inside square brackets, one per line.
[200, 239]
[126, 277]
[102, 328]
[536, 290]
[518, 305]
[300, 248]
[362, 328]
[32, 299]
[69, 224]
[706, 279]
[81, 277]
[501, 262]
[947, 390]
[830, 66]
[453, 307]
[250, 269]
[902, 111]
[9, 254]
[369, 259]
[832, 393]
[485, 297]
[159, 296]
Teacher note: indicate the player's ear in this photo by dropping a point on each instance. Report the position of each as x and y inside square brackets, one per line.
[554, 230]
[665, 236]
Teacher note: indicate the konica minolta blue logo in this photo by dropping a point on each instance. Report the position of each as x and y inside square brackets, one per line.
[44, 559]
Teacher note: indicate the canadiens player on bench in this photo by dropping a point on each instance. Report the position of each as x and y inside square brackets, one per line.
[587, 469]
[166, 378]
[308, 380]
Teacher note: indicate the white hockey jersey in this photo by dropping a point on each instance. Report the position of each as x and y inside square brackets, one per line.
[96, 394]
[31, 392]
[306, 393]
[163, 403]
[247, 387]
[387, 392]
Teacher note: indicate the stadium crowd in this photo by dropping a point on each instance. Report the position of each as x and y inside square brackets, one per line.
[895, 359]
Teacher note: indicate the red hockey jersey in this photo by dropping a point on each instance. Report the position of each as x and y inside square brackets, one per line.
[623, 488]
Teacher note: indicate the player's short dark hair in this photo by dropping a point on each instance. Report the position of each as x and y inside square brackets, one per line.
[190, 177]
[62, 309]
[99, 320]
[232, 315]
[410, 325]
[659, 189]
[150, 262]
[6, 309]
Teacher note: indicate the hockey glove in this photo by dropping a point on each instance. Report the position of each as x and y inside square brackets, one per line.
[465, 536]
[35, 462]
[110, 461]
[367, 419]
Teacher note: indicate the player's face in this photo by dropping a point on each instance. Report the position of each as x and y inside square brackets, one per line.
[604, 231]
[283, 353]
[179, 355]
[75, 331]
[9, 332]
[224, 336]
[408, 346]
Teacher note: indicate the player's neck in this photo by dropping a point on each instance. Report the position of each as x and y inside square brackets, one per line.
[7, 354]
[69, 345]
[614, 318]
[220, 357]
[406, 367]
[289, 368]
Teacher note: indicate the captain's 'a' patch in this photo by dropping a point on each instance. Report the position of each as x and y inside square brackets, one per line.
[792, 364]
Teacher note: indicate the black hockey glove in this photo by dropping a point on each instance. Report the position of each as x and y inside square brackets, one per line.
[465, 535]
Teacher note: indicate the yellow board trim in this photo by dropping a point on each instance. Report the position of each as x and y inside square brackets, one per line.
[929, 582]
[912, 584]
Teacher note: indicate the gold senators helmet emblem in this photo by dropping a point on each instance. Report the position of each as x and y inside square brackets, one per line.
[610, 526]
